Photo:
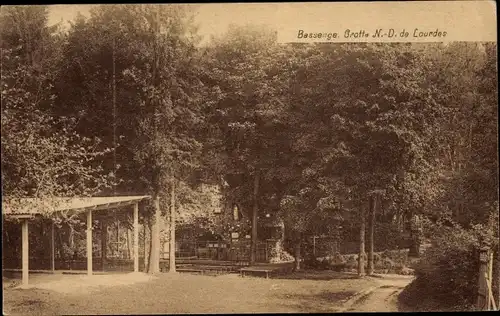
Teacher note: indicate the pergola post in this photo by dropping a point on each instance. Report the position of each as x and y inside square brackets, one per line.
[89, 242]
[52, 248]
[25, 250]
[136, 237]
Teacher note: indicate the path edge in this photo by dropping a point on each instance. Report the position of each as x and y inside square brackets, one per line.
[349, 302]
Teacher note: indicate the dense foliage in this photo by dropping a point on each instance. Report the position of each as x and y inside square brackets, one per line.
[42, 154]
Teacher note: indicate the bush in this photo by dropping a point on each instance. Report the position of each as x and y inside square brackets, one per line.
[387, 236]
[406, 271]
[447, 272]
[386, 263]
[351, 261]
[313, 263]
[338, 258]
[337, 262]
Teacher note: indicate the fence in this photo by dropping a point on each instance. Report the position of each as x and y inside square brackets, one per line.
[322, 246]
[485, 297]
[236, 251]
[219, 250]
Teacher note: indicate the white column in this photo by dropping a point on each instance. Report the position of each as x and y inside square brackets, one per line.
[89, 242]
[136, 237]
[25, 251]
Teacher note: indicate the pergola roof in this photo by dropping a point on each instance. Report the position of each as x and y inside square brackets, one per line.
[29, 207]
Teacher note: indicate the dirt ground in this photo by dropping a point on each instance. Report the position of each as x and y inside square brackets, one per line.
[306, 291]
[385, 297]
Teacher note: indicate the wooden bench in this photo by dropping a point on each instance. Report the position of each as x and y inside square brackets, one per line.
[243, 271]
[217, 270]
[201, 271]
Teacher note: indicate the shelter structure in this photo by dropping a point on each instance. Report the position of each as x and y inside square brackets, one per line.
[27, 209]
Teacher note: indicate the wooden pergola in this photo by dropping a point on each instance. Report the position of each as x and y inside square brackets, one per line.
[26, 209]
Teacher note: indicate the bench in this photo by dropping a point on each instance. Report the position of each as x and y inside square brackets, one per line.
[255, 270]
[201, 271]
[216, 269]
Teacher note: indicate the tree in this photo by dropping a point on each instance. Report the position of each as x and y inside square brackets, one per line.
[371, 127]
[466, 125]
[374, 198]
[244, 114]
[42, 154]
[148, 53]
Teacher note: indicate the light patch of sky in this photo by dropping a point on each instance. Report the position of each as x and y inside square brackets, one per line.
[465, 20]
[212, 19]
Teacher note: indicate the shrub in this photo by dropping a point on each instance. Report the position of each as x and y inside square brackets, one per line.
[337, 262]
[387, 236]
[324, 264]
[406, 271]
[387, 263]
[394, 259]
[351, 261]
[315, 263]
[338, 258]
[447, 272]
[286, 257]
[311, 262]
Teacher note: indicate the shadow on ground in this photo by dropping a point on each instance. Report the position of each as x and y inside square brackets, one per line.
[402, 307]
[325, 301]
[412, 299]
[316, 275]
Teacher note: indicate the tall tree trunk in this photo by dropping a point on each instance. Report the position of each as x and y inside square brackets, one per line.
[118, 238]
[154, 254]
[371, 228]
[171, 255]
[414, 237]
[71, 241]
[145, 240]
[297, 256]
[361, 257]
[253, 245]
[114, 112]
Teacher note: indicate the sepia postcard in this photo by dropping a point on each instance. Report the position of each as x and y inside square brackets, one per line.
[226, 158]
